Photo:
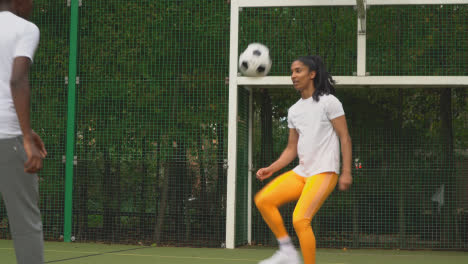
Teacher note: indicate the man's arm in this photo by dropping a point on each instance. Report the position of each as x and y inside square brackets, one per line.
[341, 128]
[21, 93]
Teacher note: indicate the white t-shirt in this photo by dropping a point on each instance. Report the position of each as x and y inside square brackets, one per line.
[18, 38]
[318, 148]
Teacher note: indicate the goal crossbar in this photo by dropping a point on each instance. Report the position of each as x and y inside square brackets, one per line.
[291, 3]
[363, 81]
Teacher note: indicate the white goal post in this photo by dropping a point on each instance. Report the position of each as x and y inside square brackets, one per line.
[360, 80]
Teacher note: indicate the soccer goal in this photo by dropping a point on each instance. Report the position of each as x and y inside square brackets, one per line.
[360, 68]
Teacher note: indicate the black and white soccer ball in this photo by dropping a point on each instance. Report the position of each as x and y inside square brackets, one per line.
[255, 61]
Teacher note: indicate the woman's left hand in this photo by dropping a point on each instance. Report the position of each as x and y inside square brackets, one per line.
[345, 181]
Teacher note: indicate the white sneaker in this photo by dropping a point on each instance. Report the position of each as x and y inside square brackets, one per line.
[282, 257]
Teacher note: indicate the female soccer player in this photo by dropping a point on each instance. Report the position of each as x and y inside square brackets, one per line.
[21, 150]
[317, 126]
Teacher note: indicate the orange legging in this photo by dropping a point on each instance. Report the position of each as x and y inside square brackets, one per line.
[309, 192]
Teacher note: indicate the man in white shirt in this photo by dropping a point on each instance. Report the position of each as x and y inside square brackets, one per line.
[21, 149]
[317, 129]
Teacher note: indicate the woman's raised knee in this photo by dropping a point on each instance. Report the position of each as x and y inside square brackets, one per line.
[258, 200]
[261, 202]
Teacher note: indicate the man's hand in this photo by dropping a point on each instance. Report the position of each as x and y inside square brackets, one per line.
[40, 144]
[345, 181]
[35, 151]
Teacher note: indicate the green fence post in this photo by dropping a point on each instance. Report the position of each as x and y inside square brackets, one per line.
[71, 122]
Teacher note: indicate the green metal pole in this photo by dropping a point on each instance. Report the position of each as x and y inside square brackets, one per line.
[71, 122]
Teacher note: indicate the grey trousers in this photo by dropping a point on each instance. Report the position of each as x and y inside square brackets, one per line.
[20, 192]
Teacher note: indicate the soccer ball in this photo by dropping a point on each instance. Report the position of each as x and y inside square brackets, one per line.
[255, 60]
